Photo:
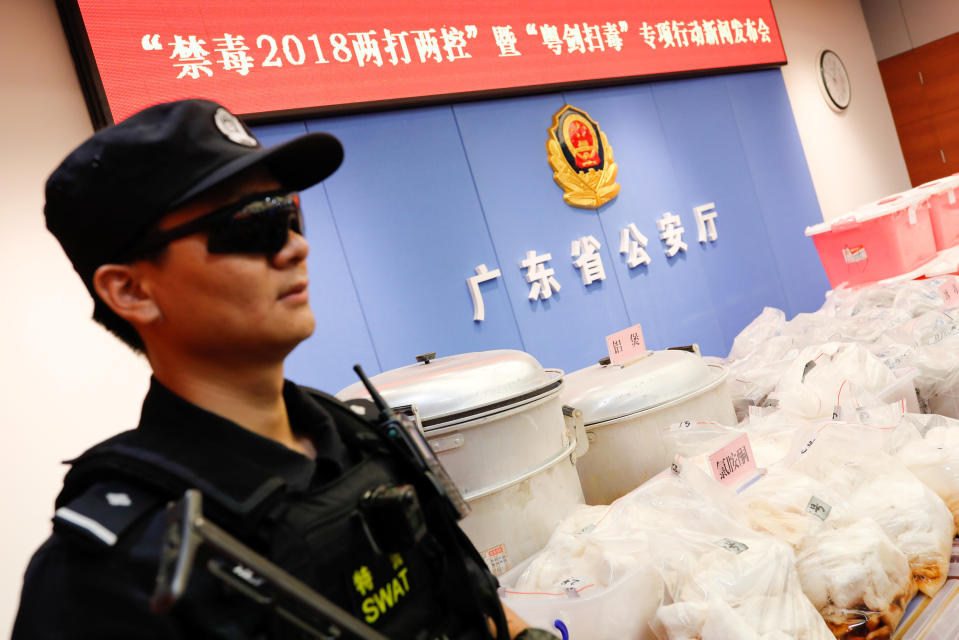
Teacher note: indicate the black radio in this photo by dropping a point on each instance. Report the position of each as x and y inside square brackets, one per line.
[393, 517]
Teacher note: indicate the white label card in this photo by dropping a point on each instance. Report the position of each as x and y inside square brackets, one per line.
[854, 254]
[818, 508]
[497, 559]
[571, 583]
[950, 293]
[732, 546]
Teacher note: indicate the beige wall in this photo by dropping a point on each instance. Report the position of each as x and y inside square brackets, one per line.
[64, 382]
[897, 26]
[854, 156]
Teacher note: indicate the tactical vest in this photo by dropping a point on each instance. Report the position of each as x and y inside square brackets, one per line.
[437, 587]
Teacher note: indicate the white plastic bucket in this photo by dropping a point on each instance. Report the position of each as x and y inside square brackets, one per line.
[621, 611]
[625, 452]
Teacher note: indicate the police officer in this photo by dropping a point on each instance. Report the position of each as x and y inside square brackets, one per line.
[189, 236]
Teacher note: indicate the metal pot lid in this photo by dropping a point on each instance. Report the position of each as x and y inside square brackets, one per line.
[607, 392]
[456, 388]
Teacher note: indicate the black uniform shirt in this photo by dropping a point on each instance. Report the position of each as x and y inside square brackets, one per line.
[88, 581]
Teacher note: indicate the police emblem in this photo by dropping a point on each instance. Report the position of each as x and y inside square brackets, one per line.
[582, 159]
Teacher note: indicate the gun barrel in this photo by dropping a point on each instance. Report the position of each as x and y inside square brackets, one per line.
[190, 530]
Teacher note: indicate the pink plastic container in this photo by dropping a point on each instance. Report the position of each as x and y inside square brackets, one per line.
[887, 238]
[943, 210]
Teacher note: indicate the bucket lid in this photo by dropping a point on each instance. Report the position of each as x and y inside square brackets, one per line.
[458, 388]
[816, 229]
[906, 200]
[940, 184]
[909, 200]
[608, 392]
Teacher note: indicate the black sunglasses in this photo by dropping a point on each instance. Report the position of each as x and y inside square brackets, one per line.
[258, 224]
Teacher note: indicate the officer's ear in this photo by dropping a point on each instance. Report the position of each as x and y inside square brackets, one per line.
[121, 288]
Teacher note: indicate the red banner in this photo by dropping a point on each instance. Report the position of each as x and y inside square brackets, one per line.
[258, 57]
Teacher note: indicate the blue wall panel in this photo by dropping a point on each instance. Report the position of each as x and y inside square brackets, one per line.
[666, 297]
[425, 195]
[506, 145]
[740, 272]
[340, 339]
[412, 229]
[775, 156]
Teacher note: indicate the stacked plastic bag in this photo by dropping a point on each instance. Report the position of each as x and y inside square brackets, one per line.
[885, 482]
[867, 532]
[909, 327]
[856, 578]
[928, 445]
[830, 380]
[852, 509]
[715, 578]
[879, 487]
[840, 526]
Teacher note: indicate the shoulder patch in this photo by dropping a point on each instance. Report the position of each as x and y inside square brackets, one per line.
[106, 510]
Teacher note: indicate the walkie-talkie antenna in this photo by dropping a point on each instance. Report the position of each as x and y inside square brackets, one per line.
[410, 442]
[385, 411]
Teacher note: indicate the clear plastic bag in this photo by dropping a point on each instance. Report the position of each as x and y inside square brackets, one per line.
[903, 324]
[770, 437]
[743, 585]
[792, 506]
[574, 551]
[850, 460]
[767, 325]
[823, 394]
[620, 611]
[606, 589]
[726, 580]
[597, 579]
[857, 578]
[832, 380]
[776, 434]
[717, 579]
[697, 438]
[928, 445]
[919, 296]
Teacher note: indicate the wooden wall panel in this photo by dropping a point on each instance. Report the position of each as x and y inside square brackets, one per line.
[940, 68]
[947, 130]
[921, 150]
[904, 88]
[922, 87]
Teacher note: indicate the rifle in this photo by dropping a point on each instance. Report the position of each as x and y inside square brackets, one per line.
[245, 570]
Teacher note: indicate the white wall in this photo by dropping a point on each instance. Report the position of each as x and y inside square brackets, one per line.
[854, 156]
[64, 382]
[897, 26]
[887, 27]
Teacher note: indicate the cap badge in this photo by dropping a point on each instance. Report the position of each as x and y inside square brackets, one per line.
[230, 126]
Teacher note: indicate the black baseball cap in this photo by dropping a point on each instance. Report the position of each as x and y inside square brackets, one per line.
[115, 186]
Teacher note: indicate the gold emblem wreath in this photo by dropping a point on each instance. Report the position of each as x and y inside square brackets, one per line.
[587, 190]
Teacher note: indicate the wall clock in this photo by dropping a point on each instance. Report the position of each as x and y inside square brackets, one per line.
[833, 80]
